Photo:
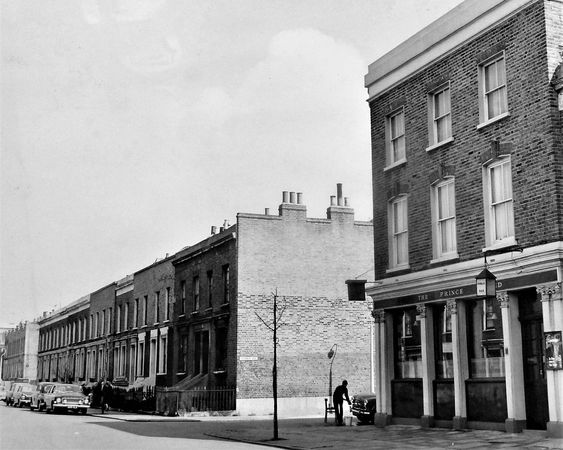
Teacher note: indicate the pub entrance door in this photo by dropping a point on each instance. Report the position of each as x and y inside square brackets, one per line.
[533, 354]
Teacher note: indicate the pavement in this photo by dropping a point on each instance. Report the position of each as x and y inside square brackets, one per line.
[312, 433]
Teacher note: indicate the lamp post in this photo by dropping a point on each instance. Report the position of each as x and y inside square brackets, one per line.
[331, 355]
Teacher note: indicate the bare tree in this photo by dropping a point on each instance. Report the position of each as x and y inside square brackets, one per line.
[274, 326]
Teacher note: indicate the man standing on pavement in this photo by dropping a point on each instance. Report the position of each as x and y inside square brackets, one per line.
[340, 393]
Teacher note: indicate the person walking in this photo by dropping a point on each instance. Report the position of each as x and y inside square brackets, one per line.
[105, 396]
[340, 393]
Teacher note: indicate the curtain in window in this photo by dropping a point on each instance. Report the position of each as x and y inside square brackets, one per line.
[495, 88]
[397, 125]
[442, 122]
[446, 218]
[501, 201]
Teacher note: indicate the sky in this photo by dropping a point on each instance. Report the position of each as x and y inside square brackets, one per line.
[130, 127]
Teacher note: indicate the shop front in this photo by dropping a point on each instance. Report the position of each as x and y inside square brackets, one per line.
[449, 357]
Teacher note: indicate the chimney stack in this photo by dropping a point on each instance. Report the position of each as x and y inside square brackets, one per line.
[339, 194]
[267, 211]
[292, 207]
[339, 208]
[213, 230]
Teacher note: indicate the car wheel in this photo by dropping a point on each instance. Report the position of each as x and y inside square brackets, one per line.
[31, 407]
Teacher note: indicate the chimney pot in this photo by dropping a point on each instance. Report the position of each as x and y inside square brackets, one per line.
[292, 197]
[226, 223]
[267, 211]
[346, 201]
[339, 193]
[332, 200]
[221, 229]
[300, 198]
[285, 195]
[213, 229]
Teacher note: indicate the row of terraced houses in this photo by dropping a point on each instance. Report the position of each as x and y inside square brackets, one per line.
[466, 248]
[192, 320]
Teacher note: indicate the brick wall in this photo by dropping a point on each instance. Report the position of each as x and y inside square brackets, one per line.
[210, 255]
[307, 261]
[533, 128]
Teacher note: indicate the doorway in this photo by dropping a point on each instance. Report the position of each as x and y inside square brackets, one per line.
[533, 348]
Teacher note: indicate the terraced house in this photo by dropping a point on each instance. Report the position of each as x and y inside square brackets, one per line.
[468, 175]
[194, 321]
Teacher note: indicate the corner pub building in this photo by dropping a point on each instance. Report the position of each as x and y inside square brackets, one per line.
[467, 157]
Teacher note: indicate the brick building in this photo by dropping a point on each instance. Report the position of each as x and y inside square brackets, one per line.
[467, 173]
[226, 281]
[150, 320]
[20, 357]
[62, 338]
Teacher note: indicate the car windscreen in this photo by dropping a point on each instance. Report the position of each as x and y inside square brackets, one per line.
[68, 389]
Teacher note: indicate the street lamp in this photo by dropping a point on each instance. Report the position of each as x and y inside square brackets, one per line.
[486, 284]
[331, 355]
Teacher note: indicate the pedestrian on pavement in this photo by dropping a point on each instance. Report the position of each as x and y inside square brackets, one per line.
[106, 395]
[340, 393]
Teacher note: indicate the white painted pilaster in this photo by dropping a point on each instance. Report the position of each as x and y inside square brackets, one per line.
[428, 367]
[514, 372]
[460, 361]
[552, 309]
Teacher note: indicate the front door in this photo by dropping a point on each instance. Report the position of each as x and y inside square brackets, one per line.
[533, 345]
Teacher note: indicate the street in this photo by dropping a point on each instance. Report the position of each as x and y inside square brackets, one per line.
[22, 429]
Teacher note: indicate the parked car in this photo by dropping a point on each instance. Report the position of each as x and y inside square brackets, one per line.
[3, 393]
[22, 395]
[37, 397]
[65, 397]
[363, 407]
[10, 393]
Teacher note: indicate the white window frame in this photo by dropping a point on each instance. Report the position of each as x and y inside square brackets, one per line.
[439, 223]
[167, 305]
[156, 306]
[125, 316]
[162, 353]
[486, 93]
[396, 231]
[395, 139]
[492, 208]
[118, 320]
[136, 313]
[435, 118]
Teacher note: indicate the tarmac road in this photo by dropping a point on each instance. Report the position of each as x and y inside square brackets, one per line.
[22, 429]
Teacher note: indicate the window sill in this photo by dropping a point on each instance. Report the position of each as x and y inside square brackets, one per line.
[195, 313]
[182, 315]
[444, 258]
[398, 268]
[493, 120]
[509, 242]
[395, 164]
[439, 144]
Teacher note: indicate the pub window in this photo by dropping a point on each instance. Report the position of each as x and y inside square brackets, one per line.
[443, 342]
[408, 350]
[486, 341]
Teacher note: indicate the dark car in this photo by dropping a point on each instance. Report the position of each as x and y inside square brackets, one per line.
[363, 407]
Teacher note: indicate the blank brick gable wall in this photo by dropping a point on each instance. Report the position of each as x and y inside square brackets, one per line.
[533, 128]
[307, 261]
